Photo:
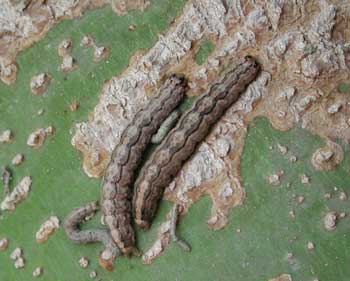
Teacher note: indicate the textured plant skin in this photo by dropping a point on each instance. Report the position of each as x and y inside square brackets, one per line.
[259, 229]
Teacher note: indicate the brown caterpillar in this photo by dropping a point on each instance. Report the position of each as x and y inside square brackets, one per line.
[118, 180]
[180, 143]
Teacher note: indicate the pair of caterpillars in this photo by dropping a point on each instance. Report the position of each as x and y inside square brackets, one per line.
[124, 199]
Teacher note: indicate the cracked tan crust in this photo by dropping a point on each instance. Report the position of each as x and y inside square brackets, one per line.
[118, 180]
[180, 143]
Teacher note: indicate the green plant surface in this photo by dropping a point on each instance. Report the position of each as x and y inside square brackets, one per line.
[267, 229]
[257, 252]
[59, 183]
[344, 87]
[205, 49]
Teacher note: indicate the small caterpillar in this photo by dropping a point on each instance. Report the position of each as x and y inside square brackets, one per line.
[72, 229]
[119, 176]
[180, 143]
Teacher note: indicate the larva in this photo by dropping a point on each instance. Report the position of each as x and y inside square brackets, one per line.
[119, 176]
[180, 143]
[72, 229]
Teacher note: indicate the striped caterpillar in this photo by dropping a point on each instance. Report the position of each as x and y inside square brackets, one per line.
[118, 180]
[180, 143]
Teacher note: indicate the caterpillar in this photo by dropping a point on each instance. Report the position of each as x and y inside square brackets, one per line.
[78, 236]
[180, 143]
[117, 184]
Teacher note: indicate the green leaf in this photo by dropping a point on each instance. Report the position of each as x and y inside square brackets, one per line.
[205, 49]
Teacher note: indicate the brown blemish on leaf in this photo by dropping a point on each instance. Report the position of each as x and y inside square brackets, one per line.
[275, 178]
[106, 260]
[6, 136]
[101, 53]
[74, 106]
[8, 73]
[19, 193]
[328, 157]
[38, 137]
[94, 160]
[17, 159]
[65, 47]
[38, 271]
[282, 277]
[4, 242]
[40, 83]
[48, 228]
[84, 262]
[64, 50]
[121, 7]
[330, 221]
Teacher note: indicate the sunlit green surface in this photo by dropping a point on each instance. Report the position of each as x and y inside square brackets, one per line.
[344, 87]
[204, 51]
[257, 252]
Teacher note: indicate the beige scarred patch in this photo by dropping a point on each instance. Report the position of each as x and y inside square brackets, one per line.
[309, 69]
[328, 157]
[282, 277]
